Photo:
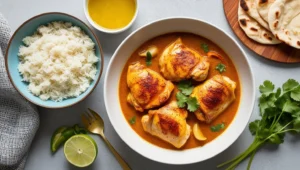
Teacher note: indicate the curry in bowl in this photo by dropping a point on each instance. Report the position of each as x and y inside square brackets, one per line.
[179, 91]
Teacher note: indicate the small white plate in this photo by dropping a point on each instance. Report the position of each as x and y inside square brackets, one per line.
[169, 25]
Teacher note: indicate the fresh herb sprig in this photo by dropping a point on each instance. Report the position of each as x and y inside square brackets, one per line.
[280, 113]
[205, 47]
[185, 87]
[217, 127]
[221, 67]
[132, 120]
[183, 98]
[148, 58]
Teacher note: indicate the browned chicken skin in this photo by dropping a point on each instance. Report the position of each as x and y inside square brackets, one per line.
[179, 62]
[214, 96]
[168, 123]
[148, 89]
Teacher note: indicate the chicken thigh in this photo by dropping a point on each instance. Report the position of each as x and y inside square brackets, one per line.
[178, 62]
[168, 123]
[148, 89]
[214, 96]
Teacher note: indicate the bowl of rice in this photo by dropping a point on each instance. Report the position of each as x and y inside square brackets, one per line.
[54, 60]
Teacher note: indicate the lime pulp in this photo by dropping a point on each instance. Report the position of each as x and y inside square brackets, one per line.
[80, 150]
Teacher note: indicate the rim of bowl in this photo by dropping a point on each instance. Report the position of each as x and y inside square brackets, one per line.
[49, 13]
[198, 20]
[106, 30]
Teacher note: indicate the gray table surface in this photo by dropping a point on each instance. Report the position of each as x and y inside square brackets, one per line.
[276, 158]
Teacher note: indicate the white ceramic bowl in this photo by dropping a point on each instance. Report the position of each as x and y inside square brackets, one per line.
[106, 30]
[169, 25]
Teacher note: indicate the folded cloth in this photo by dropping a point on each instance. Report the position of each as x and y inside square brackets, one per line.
[19, 119]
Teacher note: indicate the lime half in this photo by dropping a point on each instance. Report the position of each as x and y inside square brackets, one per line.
[81, 150]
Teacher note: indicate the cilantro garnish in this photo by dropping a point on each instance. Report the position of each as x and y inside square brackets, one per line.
[183, 101]
[185, 87]
[192, 104]
[148, 58]
[221, 67]
[132, 120]
[217, 127]
[205, 47]
[280, 113]
[266, 88]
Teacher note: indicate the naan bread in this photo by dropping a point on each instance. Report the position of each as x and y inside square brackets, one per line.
[250, 7]
[284, 21]
[263, 8]
[254, 30]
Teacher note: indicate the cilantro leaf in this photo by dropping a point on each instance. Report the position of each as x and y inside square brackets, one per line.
[263, 104]
[205, 47]
[272, 112]
[280, 113]
[148, 59]
[267, 88]
[263, 133]
[266, 101]
[278, 92]
[217, 127]
[192, 103]
[289, 85]
[253, 126]
[296, 114]
[290, 107]
[280, 102]
[132, 120]
[296, 124]
[185, 87]
[181, 100]
[221, 67]
[276, 139]
[295, 94]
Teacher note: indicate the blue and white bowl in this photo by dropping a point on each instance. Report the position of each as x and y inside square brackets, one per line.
[12, 60]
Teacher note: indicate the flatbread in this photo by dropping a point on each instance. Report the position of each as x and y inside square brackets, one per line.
[284, 21]
[250, 7]
[254, 30]
[263, 7]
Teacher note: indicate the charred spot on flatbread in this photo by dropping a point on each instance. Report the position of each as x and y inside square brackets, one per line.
[275, 24]
[277, 14]
[243, 22]
[262, 1]
[268, 37]
[253, 29]
[244, 5]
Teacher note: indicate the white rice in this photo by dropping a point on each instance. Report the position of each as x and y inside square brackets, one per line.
[58, 61]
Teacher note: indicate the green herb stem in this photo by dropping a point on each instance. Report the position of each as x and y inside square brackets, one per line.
[277, 119]
[275, 109]
[252, 148]
[251, 159]
[243, 155]
[285, 126]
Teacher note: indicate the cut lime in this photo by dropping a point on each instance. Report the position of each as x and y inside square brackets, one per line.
[57, 139]
[81, 150]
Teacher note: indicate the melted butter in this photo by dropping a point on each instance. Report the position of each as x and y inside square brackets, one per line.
[112, 14]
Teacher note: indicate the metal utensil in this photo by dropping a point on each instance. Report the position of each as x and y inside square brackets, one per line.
[94, 124]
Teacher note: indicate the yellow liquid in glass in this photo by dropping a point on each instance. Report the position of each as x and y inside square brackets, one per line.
[112, 14]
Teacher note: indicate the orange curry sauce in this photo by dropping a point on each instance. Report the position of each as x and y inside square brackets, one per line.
[193, 41]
